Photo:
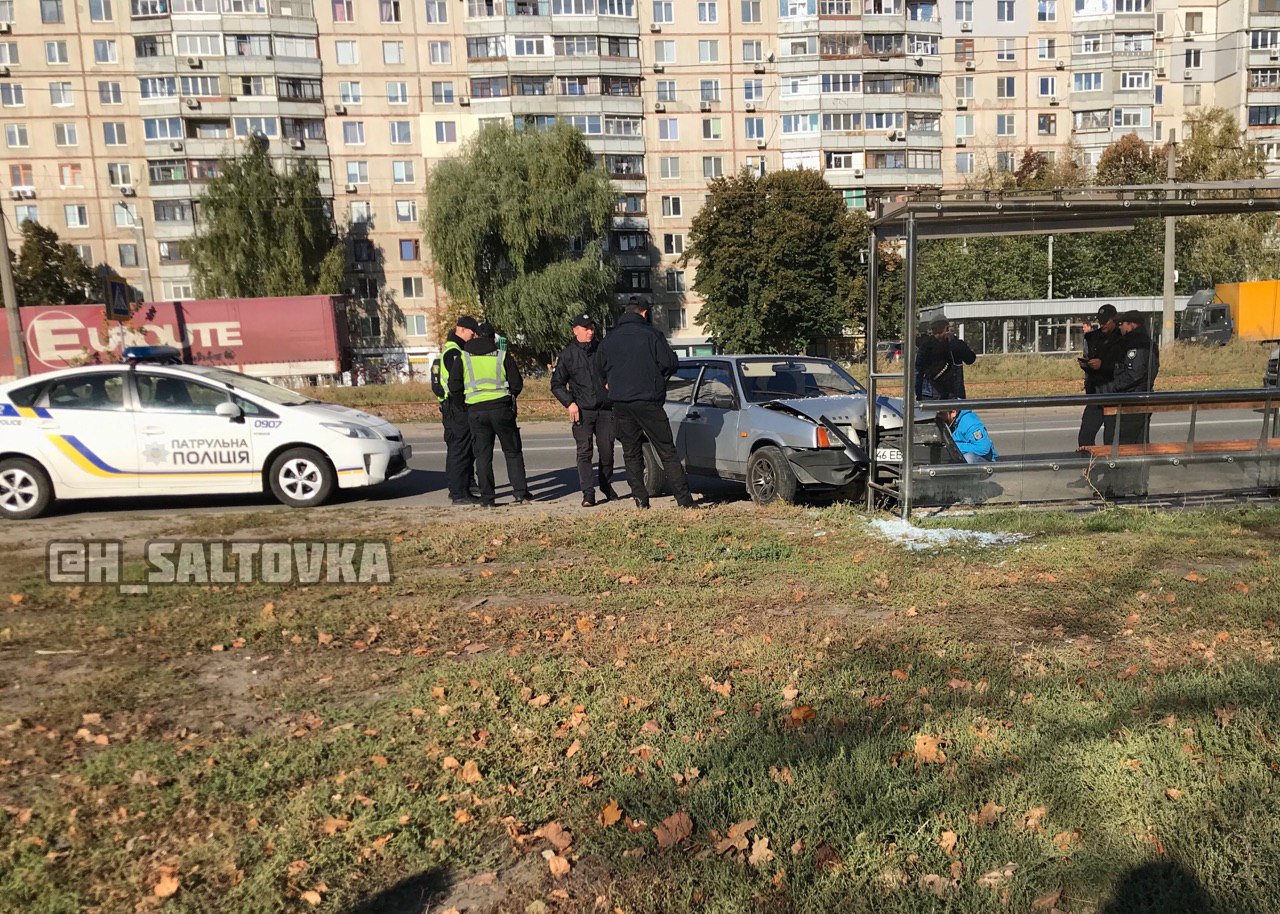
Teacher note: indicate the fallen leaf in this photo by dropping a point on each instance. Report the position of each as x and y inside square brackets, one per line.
[989, 813]
[167, 886]
[332, 826]
[17, 598]
[997, 878]
[557, 836]
[673, 829]
[935, 885]
[1193, 577]
[1240, 587]
[91, 720]
[928, 751]
[760, 853]
[737, 837]
[947, 841]
[789, 693]
[324, 638]
[1031, 821]
[1048, 901]
[901, 675]
[720, 688]
[610, 814]
[540, 702]
[379, 760]
[1065, 839]
[311, 897]
[462, 816]
[471, 772]
[802, 714]
[558, 865]
[1173, 793]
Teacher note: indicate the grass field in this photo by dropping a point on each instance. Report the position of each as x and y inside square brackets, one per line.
[1238, 365]
[718, 711]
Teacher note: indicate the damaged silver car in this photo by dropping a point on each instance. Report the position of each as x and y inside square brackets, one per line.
[787, 426]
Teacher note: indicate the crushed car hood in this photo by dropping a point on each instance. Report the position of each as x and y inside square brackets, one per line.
[847, 410]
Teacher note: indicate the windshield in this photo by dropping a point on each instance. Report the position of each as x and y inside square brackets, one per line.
[790, 379]
[272, 393]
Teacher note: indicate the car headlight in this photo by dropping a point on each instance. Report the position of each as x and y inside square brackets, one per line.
[350, 429]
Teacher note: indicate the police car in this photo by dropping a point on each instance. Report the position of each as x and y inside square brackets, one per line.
[153, 426]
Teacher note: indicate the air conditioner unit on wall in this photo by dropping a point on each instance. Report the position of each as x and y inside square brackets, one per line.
[464, 101]
[176, 145]
[1054, 102]
[655, 27]
[760, 144]
[659, 68]
[192, 103]
[858, 172]
[750, 106]
[704, 106]
[962, 104]
[6, 28]
[966, 26]
[758, 68]
[195, 63]
[127, 190]
[961, 141]
[899, 134]
[659, 107]
[297, 143]
[352, 188]
[970, 65]
[339, 109]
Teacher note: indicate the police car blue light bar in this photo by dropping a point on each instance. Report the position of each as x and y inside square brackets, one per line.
[155, 354]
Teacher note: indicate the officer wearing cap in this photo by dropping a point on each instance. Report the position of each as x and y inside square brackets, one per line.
[1135, 372]
[576, 382]
[459, 460]
[1101, 353]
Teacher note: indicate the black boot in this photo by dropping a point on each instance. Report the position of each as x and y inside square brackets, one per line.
[642, 503]
[588, 498]
[607, 491]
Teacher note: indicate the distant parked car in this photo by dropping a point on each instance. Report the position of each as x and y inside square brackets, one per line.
[889, 350]
[783, 425]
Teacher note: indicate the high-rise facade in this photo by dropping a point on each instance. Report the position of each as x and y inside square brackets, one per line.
[115, 112]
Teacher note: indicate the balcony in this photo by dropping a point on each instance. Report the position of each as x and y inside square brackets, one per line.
[148, 9]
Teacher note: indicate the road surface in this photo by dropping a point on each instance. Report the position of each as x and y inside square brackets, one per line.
[549, 460]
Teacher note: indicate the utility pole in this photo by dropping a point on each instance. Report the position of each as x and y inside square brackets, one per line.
[1171, 175]
[11, 303]
[1050, 295]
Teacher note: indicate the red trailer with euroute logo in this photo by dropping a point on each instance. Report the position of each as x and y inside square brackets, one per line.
[288, 337]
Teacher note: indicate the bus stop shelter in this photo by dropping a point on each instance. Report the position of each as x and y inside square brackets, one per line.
[985, 213]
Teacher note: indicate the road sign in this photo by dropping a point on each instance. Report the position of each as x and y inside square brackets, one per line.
[117, 299]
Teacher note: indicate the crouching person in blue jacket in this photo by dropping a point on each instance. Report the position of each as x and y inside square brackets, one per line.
[970, 435]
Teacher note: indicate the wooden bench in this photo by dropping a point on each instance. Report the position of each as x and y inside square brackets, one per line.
[1103, 451]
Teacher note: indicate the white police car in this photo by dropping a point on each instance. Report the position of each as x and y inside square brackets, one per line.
[153, 426]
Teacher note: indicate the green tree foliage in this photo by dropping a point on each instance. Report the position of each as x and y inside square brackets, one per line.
[48, 272]
[503, 222]
[779, 261]
[263, 232]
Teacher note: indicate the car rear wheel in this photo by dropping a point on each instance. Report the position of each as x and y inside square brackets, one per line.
[301, 477]
[25, 489]
[655, 476]
[770, 477]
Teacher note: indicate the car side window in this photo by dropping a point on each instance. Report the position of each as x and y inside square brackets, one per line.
[101, 391]
[716, 382]
[168, 394]
[26, 396]
[680, 384]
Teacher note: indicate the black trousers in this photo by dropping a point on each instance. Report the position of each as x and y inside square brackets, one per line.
[490, 424]
[1090, 421]
[1127, 480]
[640, 421]
[459, 460]
[594, 425]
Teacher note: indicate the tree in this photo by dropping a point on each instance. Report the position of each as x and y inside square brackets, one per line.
[48, 272]
[776, 260]
[515, 224]
[1130, 160]
[265, 232]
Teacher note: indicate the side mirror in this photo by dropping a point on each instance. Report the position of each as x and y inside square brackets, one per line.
[228, 410]
[723, 401]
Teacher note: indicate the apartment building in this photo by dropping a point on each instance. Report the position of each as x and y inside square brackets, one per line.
[116, 111]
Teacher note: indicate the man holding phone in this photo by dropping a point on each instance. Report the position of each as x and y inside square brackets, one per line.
[1103, 349]
[577, 384]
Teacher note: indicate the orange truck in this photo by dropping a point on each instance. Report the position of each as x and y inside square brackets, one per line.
[1233, 310]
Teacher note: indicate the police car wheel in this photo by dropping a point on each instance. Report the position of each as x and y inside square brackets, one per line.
[25, 489]
[301, 477]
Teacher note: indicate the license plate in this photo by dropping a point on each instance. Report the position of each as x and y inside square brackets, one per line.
[888, 453]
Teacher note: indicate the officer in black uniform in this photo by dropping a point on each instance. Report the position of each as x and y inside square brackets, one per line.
[1101, 353]
[1135, 372]
[577, 384]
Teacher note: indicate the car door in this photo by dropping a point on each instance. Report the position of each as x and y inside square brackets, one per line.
[711, 422]
[183, 445]
[84, 425]
[680, 388]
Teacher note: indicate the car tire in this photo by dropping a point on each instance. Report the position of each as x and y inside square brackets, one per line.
[655, 476]
[770, 477]
[301, 477]
[854, 493]
[25, 489]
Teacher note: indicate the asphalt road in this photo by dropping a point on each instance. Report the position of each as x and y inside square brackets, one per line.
[549, 461]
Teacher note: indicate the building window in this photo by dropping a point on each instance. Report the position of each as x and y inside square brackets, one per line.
[671, 206]
[964, 87]
[65, 135]
[755, 128]
[393, 53]
[100, 11]
[26, 213]
[104, 51]
[709, 90]
[1006, 87]
[964, 49]
[669, 166]
[750, 10]
[55, 52]
[51, 12]
[708, 11]
[21, 175]
[1045, 48]
[353, 133]
[411, 286]
[70, 174]
[672, 243]
[113, 133]
[109, 93]
[753, 51]
[441, 93]
[410, 249]
[12, 95]
[1135, 80]
[350, 93]
[401, 133]
[1004, 10]
[343, 11]
[437, 11]
[1089, 44]
[1195, 21]
[712, 167]
[1004, 49]
[675, 281]
[1087, 82]
[663, 12]
[446, 132]
[415, 324]
[347, 52]
[1004, 162]
[1047, 124]
[1004, 125]
[77, 215]
[708, 51]
[389, 10]
[666, 90]
[127, 254]
[668, 129]
[406, 210]
[964, 125]
[119, 174]
[402, 171]
[357, 172]
[711, 128]
[440, 52]
[1048, 86]
[1191, 60]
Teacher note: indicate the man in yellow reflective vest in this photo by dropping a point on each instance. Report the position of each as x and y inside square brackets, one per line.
[489, 384]
[459, 463]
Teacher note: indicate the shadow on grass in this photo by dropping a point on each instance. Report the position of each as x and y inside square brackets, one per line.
[411, 895]
[1166, 887]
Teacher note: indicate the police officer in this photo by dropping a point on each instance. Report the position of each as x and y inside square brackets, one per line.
[1098, 364]
[577, 384]
[489, 383]
[940, 363]
[635, 361]
[459, 460]
[1135, 372]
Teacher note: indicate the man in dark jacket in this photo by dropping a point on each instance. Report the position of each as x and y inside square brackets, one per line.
[459, 462]
[635, 362]
[940, 363]
[577, 384]
[489, 383]
[1135, 372]
[1102, 350]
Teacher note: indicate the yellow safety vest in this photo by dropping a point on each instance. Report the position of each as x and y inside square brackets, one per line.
[484, 377]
